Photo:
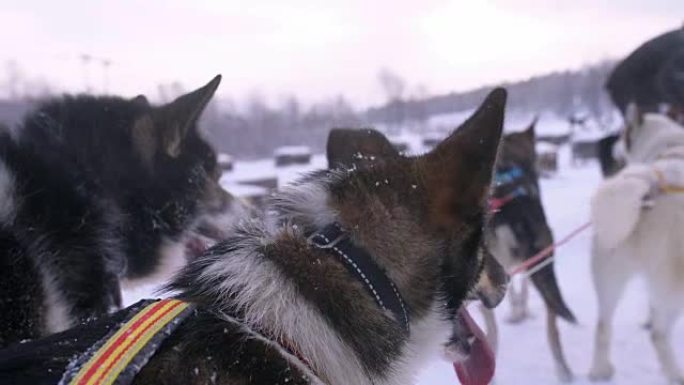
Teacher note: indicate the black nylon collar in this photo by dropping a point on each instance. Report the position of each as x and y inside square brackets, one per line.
[361, 265]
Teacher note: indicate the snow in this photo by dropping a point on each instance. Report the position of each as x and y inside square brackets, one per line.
[524, 356]
[245, 172]
[245, 190]
[545, 147]
[292, 150]
[224, 158]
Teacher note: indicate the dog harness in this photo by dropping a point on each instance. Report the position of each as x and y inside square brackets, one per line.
[119, 356]
[361, 265]
[508, 187]
[664, 186]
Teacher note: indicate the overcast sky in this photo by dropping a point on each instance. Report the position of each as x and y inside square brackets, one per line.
[317, 49]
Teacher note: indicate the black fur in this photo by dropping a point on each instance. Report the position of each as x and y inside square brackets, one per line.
[526, 217]
[94, 204]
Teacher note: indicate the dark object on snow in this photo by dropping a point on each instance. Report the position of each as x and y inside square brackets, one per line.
[582, 151]
[609, 165]
[547, 163]
[286, 156]
[554, 139]
[651, 75]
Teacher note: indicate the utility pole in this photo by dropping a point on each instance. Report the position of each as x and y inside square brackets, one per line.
[85, 60]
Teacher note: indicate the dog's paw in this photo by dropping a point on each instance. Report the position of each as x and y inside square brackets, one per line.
[601, 372]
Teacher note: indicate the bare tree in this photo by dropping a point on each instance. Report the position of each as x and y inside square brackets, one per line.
[394, 86]
[14, 79]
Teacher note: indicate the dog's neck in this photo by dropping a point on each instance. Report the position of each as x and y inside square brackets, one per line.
[333, 239]
[271, 276]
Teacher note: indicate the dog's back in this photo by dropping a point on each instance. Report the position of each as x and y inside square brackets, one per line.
[642, 221]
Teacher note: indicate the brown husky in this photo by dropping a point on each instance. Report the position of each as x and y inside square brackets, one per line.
[517, 231]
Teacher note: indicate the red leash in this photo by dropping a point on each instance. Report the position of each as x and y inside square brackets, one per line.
[540, 256]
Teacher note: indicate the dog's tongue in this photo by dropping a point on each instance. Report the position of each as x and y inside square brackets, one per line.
[478, 368]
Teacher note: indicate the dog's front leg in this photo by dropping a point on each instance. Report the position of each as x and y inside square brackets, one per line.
[78, 290]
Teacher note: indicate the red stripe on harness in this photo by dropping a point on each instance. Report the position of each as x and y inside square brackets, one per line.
[106, 364]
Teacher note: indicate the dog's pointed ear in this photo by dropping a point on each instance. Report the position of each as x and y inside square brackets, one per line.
[458, 172]
[530, 132]
[348, 147]
[140, 101]
[181, 115]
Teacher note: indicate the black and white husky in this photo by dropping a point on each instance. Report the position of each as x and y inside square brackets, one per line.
[352, 276]
[96, 192]
[518, 231]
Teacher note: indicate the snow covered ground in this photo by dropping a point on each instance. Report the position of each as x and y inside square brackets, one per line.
[524, 356]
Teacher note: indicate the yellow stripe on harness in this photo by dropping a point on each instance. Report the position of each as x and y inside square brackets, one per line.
[106, 365]
[666, 187]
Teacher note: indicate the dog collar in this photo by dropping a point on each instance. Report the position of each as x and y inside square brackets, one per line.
[361, 265]
[118, 357]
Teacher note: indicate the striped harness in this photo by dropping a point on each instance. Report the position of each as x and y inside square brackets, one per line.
[120, 355]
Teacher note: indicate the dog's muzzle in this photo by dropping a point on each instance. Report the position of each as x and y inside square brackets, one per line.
[491, 287]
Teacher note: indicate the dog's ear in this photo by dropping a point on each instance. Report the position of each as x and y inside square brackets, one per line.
[179, 116]
[164, 128]
[530, 132]
[458, 171]
[140, 101]
[349, 147]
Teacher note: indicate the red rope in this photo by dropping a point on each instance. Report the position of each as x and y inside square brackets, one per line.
[540, 256]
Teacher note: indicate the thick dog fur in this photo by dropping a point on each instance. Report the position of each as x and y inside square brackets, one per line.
[95, 191]
[637, 229]
[517, 232]
[266, 288]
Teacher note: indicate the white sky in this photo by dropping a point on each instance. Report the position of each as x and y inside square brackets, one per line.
[318, 49]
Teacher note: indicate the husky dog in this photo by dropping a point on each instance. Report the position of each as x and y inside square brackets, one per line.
[96, 192]
[517, 231]
[352, 276]
[638, 217]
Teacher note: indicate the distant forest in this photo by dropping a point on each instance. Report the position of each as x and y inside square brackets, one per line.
[258, 129]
